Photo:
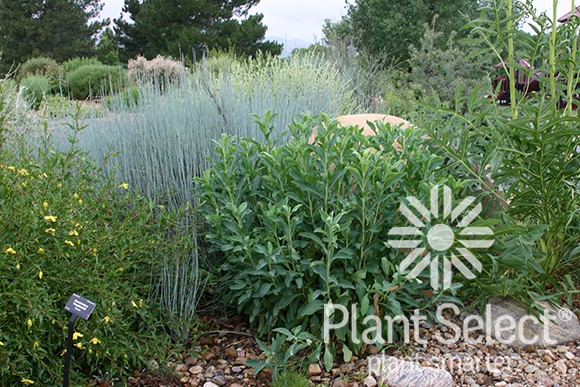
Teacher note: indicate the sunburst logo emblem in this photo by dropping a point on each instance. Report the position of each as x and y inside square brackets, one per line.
[441, 233]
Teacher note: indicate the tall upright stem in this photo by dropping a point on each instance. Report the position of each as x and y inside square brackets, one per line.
[511, 60]
[553, 49]
[573, 69]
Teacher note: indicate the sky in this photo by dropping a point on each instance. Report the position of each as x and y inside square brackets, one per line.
[303, 19]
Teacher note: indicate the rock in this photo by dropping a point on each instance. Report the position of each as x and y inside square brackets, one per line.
[545, 381]
[181, 368]
[236, 369]
[220, 380]
[557, 331]
[236, 385]
[569, 355]
[314, 369]
[231, 352]
[369, 381]
[210, 384]
[339, 383]
[548, 359]
[399, 373]
[132, 380]
[530, 369]
[196, 370]
[561, 366]
[209, 356]
[191, 361]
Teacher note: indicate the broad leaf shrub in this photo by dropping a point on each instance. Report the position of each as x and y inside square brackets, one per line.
[67, 229]
[303, 224]
[95, 80]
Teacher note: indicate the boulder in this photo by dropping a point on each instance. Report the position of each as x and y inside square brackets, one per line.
[400, 373]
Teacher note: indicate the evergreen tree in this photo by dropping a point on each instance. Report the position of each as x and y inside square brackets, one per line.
[60, 29]
[190, 28]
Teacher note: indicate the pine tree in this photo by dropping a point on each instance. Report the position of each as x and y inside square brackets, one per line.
[190, 28]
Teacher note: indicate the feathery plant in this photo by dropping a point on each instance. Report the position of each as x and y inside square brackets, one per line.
[526, 157]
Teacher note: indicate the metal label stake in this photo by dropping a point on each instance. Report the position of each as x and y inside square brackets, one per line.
[79, 307]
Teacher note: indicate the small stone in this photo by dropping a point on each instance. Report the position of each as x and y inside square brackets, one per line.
[220, 380]
[545, 381]
[132, 380]
[500, 384]
[373, 350]
[153, 365]
[316, 379]
[184, 380]
[210, 384]
[231, 352]
[191, 360]
[181, 368]
[240, 360]
[569, 355]
[562, 348]
[369, 381]
[236, 369]
[196, 370]
[530, 369]
[208, 355]
[548, 359]
[314, 369]
[561, 366]
[236, 385]
[339, 383]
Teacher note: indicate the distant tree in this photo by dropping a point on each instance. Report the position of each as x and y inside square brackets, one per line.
[60, 29]
[107, 51]
[389, 27]
[190, 28]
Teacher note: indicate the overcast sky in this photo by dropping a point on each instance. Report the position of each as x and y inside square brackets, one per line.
[303, 19]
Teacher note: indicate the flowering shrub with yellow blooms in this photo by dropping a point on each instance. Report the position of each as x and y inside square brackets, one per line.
[64, 229]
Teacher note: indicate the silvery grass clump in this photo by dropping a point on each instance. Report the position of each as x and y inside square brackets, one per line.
[163, 138]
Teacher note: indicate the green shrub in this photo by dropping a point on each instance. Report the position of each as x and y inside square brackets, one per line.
[67, 229]
[301, 225]
[36, 66]
[36, 88]
[95, 80]
[74, 63]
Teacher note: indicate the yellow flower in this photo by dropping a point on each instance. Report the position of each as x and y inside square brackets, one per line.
[124, 185]
[41, 250]
[76, 335]
[11, 168]
[78, 226]
[50, 231]
[95, 252]
[80, 201]
[10, 250]
[50, 218]
[29, 323]
[22, 172]
[1, 344]
[79, 345]
[45, 205]
[95, 341]
[73, 232]
[106, 319]
[18, 266]
[27, 381]
[134, 304]
[76, 196]
[70, 243]
[40, 274]
[36, 345]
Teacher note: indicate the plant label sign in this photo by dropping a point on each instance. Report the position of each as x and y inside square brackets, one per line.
[80, 306]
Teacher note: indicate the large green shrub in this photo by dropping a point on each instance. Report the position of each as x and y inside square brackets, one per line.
[301, 225]
[36, 66]
[67, 229]
[95, 80]
[36, 88]
[74, 63]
